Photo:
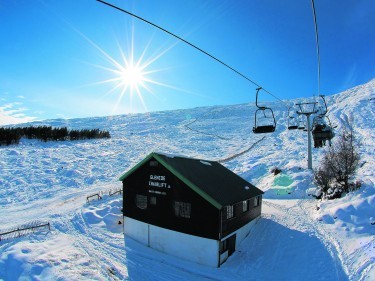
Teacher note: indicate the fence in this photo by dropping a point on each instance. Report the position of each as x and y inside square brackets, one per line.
[111, 192]
[23, 230]
[100, 194]
[93, 195]
[240, 153]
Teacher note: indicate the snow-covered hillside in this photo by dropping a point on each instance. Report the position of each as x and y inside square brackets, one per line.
[298, 237]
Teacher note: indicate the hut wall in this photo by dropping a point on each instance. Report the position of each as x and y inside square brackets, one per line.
[241, 218]
[161, 191]
[189, 247]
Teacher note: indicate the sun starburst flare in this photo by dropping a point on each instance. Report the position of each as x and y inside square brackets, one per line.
[130, 75]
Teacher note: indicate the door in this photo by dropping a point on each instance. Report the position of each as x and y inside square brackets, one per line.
[231, 244]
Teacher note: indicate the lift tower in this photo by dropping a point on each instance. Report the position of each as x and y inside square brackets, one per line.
[307, 109]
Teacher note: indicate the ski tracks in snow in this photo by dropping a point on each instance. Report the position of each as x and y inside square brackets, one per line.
[296, 217]
[106, 256]
[299, 217]
[334, 245]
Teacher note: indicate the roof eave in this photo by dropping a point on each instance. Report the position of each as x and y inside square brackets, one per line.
[128, 173]
[177, 174]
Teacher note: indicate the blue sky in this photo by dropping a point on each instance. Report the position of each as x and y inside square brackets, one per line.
[56, 55]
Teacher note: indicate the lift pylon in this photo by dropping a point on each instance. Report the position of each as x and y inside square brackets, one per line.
[307, 109]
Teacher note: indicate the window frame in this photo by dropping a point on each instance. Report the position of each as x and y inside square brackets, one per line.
[229, 212]
[153, 200]
[257, 201]
[245, 206]
[141, 201]
[182, 209]
[153, 163]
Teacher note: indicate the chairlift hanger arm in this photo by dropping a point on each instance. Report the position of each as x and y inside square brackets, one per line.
[329, 121]
[325, 105]
[306, 112]
[256, 100]
[256, 97]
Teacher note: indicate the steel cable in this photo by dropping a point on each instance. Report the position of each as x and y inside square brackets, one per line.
[192, 45]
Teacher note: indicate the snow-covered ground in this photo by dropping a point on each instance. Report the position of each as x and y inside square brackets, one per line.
[297, 238]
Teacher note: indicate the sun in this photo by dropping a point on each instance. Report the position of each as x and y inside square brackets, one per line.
[132, 76]
[129, 76]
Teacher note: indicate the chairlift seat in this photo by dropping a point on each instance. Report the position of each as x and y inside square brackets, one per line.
[259, 129]
[322, 135]
[264, 129]
[293, 127]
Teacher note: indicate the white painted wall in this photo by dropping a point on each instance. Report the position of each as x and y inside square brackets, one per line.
[200, 250]
[197, 249]
[136, 229]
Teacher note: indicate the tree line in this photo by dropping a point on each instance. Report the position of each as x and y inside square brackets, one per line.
[47, 133]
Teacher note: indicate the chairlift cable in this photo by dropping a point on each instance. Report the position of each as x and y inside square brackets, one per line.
[190, 44]
[317, 44]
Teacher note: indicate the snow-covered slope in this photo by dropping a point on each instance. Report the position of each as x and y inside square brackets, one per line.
[298, 238]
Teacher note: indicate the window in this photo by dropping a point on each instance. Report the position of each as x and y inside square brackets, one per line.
[182, 209]
[256, 201]
[245, 206]
[229, 212]
[154, 163]
[152, 200]
[141, 201]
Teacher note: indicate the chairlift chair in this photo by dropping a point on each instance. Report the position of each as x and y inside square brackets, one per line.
[322, 132]
[301, 124]
[325, 109]
[292, 123]
[306, 108]
[263, 128]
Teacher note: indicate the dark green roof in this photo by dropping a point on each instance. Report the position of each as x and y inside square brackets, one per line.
[211, 180]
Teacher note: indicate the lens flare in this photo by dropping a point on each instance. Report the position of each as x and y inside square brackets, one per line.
[131, 75]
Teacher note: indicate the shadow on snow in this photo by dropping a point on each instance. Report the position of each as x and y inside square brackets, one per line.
[270, 252]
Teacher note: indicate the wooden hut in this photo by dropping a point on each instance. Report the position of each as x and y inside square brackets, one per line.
[190, 208]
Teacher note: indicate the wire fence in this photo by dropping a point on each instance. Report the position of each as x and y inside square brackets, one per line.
[96, 195]
[25, 229]
[99, 195]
